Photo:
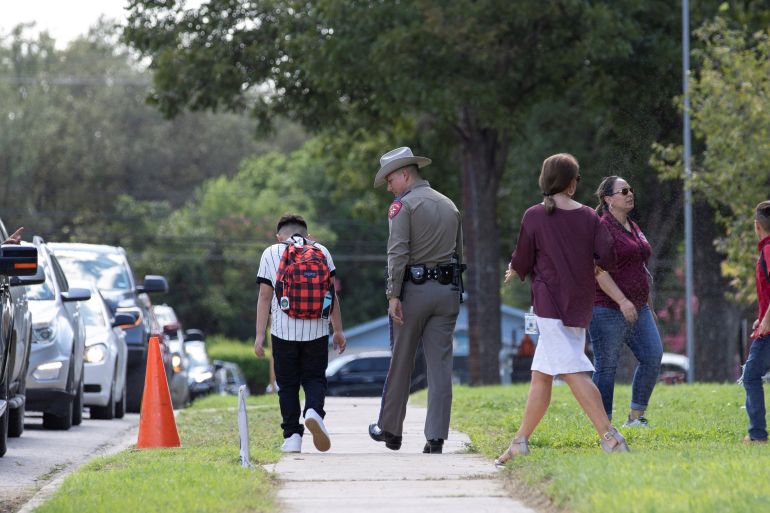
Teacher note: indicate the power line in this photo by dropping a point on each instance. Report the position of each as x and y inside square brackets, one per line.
[75, 80]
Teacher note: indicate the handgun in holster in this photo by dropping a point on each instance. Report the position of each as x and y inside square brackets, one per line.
[457, 275]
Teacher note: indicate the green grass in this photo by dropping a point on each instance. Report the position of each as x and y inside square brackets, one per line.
[690, 460]
[204, 475]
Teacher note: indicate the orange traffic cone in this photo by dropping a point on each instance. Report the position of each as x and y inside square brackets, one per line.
[157, 427]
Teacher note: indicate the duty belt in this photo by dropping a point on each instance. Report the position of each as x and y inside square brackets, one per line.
[420, 273]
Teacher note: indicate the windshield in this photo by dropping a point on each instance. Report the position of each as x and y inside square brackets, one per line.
[107, 271]
[164, 315]
[198, 358]
[92, 313]
[43, 291]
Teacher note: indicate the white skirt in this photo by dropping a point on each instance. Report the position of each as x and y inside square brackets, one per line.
[560, 349]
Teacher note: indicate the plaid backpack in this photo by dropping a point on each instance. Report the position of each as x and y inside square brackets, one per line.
[303, 280]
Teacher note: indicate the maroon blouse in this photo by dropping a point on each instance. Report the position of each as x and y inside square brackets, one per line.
[560, 251]
[633, 251]
[763, 285]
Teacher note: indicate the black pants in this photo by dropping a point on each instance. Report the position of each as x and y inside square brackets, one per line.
[300, 363]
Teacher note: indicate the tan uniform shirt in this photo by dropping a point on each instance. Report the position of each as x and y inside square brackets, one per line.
[425, 228]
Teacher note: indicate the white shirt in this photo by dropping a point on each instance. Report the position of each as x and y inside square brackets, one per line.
[283, 326]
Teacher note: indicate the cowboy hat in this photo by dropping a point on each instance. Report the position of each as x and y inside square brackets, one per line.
[395, 160]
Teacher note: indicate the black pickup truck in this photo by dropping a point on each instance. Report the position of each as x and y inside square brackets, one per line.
[15, 335]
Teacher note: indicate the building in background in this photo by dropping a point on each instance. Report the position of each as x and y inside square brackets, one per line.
[374, 336]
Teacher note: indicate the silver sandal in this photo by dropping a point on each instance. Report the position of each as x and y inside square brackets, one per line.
[621, 446]
[519, 446]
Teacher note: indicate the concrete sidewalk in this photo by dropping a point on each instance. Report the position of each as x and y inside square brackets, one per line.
[358, 474]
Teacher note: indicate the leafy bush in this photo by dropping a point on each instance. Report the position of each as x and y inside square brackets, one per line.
[256, 370]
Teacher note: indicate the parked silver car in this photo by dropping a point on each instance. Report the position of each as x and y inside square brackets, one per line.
[229, 378]
[201, 372]
[55, 376]
[108, 268]
[172, 329]
[105, 356]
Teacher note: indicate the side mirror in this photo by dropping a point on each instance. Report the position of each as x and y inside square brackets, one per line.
[125, 319]
[17, 260]
[36, 279]
[154, 283]
[76, 294]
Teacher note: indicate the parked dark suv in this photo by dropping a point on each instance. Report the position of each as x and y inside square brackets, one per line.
[15, 335]
[364, 374]
[107, 267]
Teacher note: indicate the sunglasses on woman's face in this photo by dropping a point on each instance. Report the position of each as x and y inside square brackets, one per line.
[624, 191]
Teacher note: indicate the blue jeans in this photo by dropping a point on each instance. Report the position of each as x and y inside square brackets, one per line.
[756, 366]
[608, 331]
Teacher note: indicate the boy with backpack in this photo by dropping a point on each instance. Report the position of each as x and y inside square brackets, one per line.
[758, 362]
[296, 290]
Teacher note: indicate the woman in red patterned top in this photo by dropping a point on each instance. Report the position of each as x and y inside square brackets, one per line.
[560, 243]
[621, 313]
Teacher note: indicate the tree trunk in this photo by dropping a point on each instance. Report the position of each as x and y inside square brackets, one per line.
[717, 320]
[484, 153]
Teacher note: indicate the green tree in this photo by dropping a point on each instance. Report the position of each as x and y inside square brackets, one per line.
[210, 248]
[730, 166]
[728, 100]
[471, 69]
[75, 134]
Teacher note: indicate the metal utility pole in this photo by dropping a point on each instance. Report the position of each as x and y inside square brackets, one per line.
[688, 268]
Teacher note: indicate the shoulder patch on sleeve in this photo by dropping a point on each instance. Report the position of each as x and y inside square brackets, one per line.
[394, 209]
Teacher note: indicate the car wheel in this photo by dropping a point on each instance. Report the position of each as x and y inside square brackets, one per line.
[4, 417]
[77, 404]
[106, 412]
[64, 422]
[16, 422]
[120, 404]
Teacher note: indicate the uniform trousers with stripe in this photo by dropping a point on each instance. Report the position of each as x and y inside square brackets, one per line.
[429, 312]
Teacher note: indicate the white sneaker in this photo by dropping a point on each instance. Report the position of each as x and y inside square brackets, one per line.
[315, 424]
[292, 444]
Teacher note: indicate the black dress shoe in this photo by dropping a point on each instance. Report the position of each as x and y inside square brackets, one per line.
[434, 446]
[392, 441]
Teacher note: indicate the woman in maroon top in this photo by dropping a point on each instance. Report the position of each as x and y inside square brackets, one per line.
[560, 243]
[621, 313]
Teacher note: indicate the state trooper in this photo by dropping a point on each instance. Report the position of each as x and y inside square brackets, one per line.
[424, 290]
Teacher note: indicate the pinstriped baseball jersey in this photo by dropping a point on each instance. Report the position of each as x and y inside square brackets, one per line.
[283, 326]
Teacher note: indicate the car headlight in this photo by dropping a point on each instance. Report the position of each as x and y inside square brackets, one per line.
[44, 333]
[203, 376]
[96, 353]
[48, 370]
